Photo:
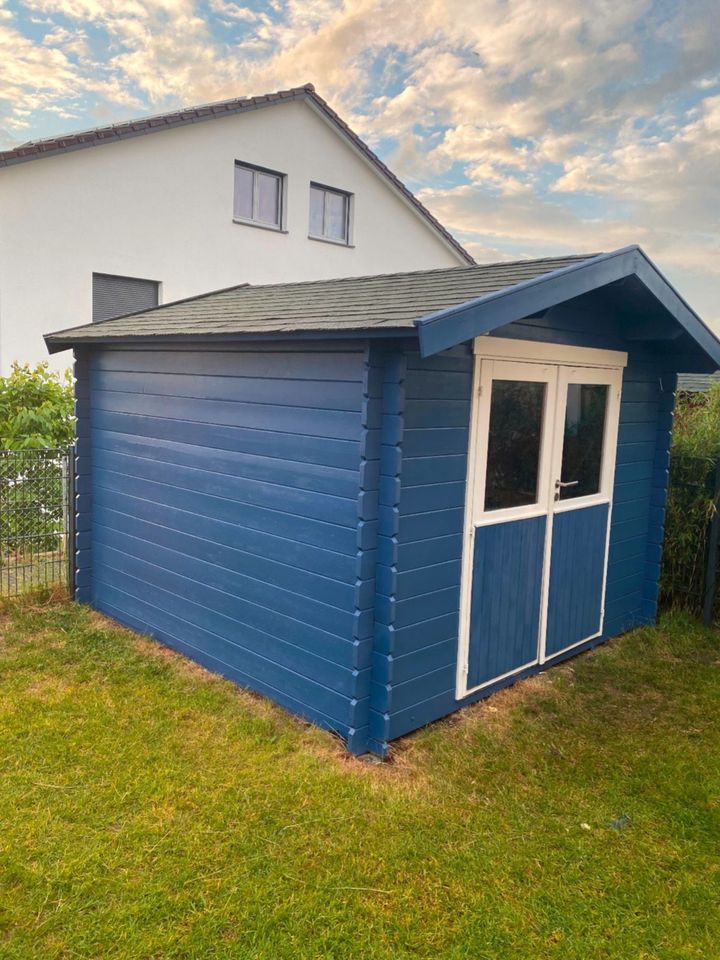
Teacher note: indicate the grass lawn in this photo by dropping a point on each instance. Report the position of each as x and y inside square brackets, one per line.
[150, 810]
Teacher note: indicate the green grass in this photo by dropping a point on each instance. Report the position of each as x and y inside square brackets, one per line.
[150, 810]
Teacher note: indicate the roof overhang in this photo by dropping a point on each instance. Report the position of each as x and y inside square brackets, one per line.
[454, 325]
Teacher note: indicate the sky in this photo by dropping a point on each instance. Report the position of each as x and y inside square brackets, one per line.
[528, 127]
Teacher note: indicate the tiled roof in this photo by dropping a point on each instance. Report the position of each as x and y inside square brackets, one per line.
[36, 149]
[384, 302]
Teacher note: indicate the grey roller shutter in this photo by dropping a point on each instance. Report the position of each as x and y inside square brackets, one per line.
[116, 296]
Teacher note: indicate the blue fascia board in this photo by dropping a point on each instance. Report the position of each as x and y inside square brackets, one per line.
[363, 333]
[447, 328]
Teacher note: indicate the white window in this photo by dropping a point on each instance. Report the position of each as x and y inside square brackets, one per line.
[258, 196]
[329, 214]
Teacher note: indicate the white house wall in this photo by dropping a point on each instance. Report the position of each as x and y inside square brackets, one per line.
[159, 206]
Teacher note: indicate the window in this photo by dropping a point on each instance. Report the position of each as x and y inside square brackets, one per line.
[258, 196]
[583, 440]
[329, 214]
[115, 296]
[514, 440]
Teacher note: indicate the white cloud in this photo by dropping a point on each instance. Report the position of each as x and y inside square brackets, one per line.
[540, 110]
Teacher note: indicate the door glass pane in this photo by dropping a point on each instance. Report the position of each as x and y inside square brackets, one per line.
[243, 193]
[514, 438]
[583, 443]
[317, 202]
[336, 216]
[268, 192]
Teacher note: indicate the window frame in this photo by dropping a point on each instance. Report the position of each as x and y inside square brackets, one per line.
[281, 178]
[349, 206]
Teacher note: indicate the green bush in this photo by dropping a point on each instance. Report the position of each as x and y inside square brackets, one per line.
[690, 506]
[36, 409]
[36, 425]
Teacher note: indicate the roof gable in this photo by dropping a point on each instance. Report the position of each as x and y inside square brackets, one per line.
[98, 136]
[445, 328]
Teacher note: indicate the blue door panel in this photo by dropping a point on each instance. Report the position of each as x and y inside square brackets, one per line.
[576, 576]
[506, 593]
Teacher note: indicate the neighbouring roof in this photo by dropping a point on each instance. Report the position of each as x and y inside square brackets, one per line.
[97, 136]
[697, 382]
[384, 302]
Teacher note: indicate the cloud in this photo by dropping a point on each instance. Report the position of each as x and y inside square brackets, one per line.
[560, 125]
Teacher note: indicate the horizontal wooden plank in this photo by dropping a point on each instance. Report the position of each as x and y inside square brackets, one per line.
[300, 502]
[314, 363]
[446, 385]
[426, 526]
[290, 473]
[338, 425]
[625, 549]
[314, 532]
[406, 695]
[636, 452]
[445, 469]
[130, 553]
[435, 442]
[423, 580]
[630, 510]
[421, 608]
[431, 412]
[432, 496]
[264, 443]
[416, 554]
[295, 579]
[173, 592]
[222, 634]
[389, 669]
[259, 544]
[625, 586]
[637, 432]
[405, 640]
[313, 394]
[635, 490]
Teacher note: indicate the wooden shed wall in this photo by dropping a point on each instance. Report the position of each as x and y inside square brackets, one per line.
[419, 652]
[225, 506]
[291, 516]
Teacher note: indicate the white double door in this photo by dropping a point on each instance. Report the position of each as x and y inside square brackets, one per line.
[540, 481]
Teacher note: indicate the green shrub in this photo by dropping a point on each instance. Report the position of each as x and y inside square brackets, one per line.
[36, 423]
[36, 408]
[690, 506]
[696, 431]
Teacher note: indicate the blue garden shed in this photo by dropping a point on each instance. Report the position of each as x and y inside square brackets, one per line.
[378, 499]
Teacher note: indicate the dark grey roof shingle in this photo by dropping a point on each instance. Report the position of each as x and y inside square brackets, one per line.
[386, 301]
[35, 149]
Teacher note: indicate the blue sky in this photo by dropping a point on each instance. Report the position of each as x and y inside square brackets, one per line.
[528, 128]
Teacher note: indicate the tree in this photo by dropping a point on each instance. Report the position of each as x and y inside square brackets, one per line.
[36, 408]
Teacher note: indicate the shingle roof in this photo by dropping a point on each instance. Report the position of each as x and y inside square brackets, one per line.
[36, 149]
[385, 302]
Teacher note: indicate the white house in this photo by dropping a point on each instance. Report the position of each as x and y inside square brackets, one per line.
[275, 188]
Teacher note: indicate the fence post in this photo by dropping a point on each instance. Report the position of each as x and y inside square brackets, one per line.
[712, 554]
[69, 490]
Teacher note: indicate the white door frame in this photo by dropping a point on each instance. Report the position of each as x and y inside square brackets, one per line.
[518, 357]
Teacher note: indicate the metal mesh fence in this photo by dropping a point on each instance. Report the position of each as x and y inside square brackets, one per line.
[36, 511]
